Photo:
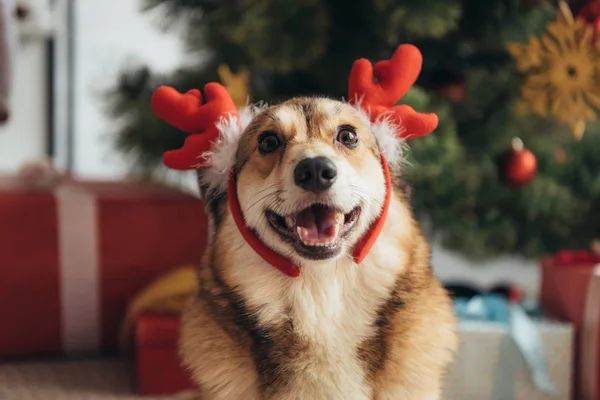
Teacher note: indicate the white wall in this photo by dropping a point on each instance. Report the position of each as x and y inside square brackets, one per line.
[109, 34]
[23, 137]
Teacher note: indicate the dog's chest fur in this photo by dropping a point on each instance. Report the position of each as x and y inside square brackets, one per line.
[310, 332]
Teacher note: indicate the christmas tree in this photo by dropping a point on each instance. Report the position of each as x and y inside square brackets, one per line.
[477, 59]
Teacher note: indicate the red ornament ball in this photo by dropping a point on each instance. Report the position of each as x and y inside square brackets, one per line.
[590, 12]
[518, 166]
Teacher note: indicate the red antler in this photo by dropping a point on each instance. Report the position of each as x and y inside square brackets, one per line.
[186, 112]
[394, 79]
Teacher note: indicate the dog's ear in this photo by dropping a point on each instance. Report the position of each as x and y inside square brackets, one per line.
[204, 189]
[214, 202]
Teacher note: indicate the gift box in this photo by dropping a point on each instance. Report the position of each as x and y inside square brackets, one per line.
[489, 365]
[570, 291]
[72, 254]
[158, 368]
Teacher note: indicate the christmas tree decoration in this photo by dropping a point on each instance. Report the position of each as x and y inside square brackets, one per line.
[238, 85]
[518, 166]
[562, 68]
[590, 11]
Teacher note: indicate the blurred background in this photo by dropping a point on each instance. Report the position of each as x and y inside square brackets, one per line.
[507, 187]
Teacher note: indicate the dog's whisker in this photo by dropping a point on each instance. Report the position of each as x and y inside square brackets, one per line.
[256, 202]
[366, 199]
[265, 189]
[364, 195]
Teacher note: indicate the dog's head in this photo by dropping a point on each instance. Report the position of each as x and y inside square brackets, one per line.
[309, 177]
[307, 173]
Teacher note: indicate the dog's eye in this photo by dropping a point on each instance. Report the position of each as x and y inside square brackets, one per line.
[347, 136]
[268, 142]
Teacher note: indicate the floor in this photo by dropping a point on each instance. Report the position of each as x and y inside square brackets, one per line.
[77, 380]
[501, 373]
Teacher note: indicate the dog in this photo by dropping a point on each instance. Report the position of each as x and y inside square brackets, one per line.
[310, 184]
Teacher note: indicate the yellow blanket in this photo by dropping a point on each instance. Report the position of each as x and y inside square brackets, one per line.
[166, 295]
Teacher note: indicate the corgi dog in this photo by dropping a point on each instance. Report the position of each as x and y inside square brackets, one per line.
[306, 181]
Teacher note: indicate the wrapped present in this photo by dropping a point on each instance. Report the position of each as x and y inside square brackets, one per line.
[158, 368]
[504, 354]
[73, 254]
[570, 291]
[152, 325]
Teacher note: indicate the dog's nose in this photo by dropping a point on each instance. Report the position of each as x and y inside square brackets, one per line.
[315, 174]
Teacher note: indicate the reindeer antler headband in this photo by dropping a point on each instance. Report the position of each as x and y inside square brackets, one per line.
[214, 126]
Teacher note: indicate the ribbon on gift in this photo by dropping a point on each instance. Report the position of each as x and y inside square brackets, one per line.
[79, 269]
[588, 360]
[522, 330]
[78, 252]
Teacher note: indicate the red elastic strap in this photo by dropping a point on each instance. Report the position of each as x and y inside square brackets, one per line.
[368, 240]
[273, 258]
[285, 265]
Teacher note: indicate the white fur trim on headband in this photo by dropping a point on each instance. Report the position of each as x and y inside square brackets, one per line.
[222, 156]
[388, 134]
[391, 146]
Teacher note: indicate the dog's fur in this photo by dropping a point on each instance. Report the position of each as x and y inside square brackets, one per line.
[382, 329]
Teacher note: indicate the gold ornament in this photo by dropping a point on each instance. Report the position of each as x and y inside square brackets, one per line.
[238, 85]
[562, 69]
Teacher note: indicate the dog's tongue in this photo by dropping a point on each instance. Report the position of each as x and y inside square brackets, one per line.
[318, 224]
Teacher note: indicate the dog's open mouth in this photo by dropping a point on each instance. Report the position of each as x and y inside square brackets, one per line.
[317, 231]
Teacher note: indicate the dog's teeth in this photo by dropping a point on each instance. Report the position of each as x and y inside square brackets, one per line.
[301, 232]
[339, 217]
[289, 222]
[337, 231]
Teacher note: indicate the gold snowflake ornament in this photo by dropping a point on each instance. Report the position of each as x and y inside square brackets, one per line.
[562, 69]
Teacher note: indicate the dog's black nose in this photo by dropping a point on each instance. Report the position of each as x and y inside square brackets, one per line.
[315, 174]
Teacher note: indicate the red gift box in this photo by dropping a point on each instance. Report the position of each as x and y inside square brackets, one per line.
[158, 368]
[570, 291]
[73, 255]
